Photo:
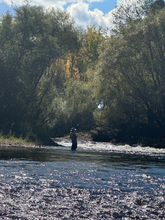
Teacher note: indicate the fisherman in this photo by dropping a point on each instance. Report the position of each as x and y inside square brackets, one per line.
[73, 137]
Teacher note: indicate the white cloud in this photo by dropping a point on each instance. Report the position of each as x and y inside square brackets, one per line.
[83, 16]
[79, 10]
[47, 3]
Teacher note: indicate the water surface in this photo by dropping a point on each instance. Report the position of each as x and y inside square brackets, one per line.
[97, 181]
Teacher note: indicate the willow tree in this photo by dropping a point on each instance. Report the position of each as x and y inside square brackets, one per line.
[131, 10]
[132, 79]
[30, 42]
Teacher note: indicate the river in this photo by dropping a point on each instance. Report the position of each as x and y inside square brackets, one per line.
[97, 181]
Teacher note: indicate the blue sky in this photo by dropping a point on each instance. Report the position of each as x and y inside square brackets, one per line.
[85, 13]
[4, 7]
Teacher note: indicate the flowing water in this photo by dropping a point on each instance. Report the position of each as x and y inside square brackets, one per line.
[97, 181]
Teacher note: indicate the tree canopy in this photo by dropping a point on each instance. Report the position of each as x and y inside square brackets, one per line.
[29, 43]
[132, 79]
[54, 76]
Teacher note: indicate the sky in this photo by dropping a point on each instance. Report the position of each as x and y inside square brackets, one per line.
[84, 12]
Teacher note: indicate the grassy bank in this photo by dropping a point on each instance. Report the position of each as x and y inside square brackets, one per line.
[11, 140]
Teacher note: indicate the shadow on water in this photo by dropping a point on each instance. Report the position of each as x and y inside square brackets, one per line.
[63, 155]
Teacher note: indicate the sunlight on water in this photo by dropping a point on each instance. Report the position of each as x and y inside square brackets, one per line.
[98, 181]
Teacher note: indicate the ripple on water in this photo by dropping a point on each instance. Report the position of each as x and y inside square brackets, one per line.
[78, 190]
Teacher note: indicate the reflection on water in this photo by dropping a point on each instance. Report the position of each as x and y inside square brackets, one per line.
[56, 183]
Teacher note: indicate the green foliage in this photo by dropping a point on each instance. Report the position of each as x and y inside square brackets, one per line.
[127, 11]
[94, 39]
[29, 43]
[156, 6]
[80, 104]
[132, 78]
[54, 76]
[137, 10]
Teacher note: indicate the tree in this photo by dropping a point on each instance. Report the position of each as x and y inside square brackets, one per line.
[9, 95]
[35, 39]
[157, 5]
[127, 11]
[132, 80]
[75, 63]
[90, 50]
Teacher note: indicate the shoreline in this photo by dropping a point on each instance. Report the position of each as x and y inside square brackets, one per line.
[22, 143]
[16, 143]
[7, 142]
[81, 136]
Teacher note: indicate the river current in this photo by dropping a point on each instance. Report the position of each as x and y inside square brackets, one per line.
[97, 181]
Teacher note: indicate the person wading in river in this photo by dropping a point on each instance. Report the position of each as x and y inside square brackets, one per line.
[73, 137]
